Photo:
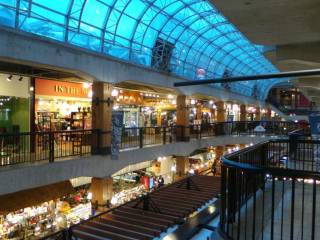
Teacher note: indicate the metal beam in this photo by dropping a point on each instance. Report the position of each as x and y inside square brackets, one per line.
[303, 73]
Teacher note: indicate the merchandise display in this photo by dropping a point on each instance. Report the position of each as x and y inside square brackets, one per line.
[127, 195]
[46, 218]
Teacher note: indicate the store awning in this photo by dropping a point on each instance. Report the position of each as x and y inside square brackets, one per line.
[34, 196]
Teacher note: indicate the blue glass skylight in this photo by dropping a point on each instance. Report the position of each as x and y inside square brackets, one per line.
[205, 44]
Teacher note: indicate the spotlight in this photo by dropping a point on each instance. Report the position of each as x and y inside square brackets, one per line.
[20, 79]
[9, 78]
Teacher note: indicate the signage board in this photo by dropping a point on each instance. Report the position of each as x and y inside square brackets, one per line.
[314, 121]
[61, 89]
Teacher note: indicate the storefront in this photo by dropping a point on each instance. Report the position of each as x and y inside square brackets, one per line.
[132, 185]
[62, 105]
[202, 112]
[205, 159]
[41, 211]
[142, 109]
[14, 103]
[233, 112]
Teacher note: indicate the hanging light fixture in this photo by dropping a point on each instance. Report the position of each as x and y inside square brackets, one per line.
[9, 78]
[20, 78]
[115, 93]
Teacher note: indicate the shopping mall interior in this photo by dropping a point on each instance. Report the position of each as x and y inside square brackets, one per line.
[164, 120]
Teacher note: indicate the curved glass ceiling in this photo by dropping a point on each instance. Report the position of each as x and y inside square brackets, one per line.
[204, 44]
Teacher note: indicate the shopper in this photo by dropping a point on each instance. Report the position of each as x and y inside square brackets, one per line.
[95, 207]
[213, 169]
[160, 181]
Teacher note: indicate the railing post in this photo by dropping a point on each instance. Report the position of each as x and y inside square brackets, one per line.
[164, 135]
[264, 154]
[69, 235]
[51, 147]
[141, 137]
[96, 137]
[183, 133]
[99, 137]
[293, 145]
[223, 197]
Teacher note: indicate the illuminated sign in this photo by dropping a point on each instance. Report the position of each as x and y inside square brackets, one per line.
[62, 89]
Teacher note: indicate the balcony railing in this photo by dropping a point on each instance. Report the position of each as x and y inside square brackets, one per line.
[271, 191]
[18, 148]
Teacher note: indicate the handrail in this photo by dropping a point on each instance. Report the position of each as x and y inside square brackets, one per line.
[16, 148]
[284, 172]
[262, 180]
[147, 127]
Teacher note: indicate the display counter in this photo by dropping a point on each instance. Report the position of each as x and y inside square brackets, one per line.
[127, 195]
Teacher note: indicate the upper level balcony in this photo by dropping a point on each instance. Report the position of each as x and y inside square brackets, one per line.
[268, 191]
[48, 147]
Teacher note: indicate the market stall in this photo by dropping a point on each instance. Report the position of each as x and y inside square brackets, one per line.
[34, 213]
[131, 185]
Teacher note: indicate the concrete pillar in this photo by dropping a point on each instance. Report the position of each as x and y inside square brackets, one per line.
[258, 114]
[219, 150]
[221, 114]
[183, 131]
[243, 112]
[213, 114]
[102, 190]
[199, 112]
[101, 116]
[156, 167]
[159, 122]
[268, 114]
[166, 169]
[182, 165]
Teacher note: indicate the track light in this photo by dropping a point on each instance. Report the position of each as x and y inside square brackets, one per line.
[20, 79]
[9, 78]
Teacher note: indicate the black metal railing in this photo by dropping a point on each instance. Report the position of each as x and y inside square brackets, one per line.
[17, 148]
[146, 136]
[299, 110]
[266, 194]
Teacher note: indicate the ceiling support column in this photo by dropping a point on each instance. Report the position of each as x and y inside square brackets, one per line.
[183, 131]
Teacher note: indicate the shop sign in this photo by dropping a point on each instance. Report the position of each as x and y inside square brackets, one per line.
[62, 89]
[116, 133]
